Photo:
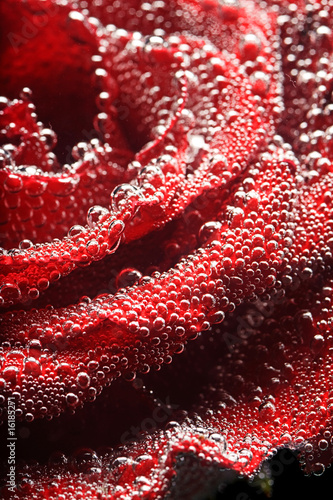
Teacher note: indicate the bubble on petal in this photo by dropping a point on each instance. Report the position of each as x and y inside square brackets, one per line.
[95, 213]
[124, 197]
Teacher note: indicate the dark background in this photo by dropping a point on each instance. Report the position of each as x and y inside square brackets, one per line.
[290, 483]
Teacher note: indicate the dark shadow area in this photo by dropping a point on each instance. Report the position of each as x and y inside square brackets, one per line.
[37, 52]
[289, 482]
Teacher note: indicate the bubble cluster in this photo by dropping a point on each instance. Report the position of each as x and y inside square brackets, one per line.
[158, 112]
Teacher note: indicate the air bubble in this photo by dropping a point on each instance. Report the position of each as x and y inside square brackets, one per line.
[35, 187]
[159, 323]
[244, 457]
[77, 28]
[92, 247]
[172, 425]
[72, 399]
[323, 445]
[26, 94]
[308, 448]
[317, 344]
[62, 186]
[153, 48]
[318, 469]
[13, 184]
[121, 461]
[152, 175]
[10, 291]
[3, 102]
[219, 65]
[49, 137]
[83, 380]
[115, 231]
[35, 348]
[32, 367]
[95, 213]
[125, 197]
[229, 10]
[250, 46]
[10, 374]
[187, 120]
[75, 231]
[219, 439]
[86, 461]
[79, 150]
[267, 409]
[208, 230]
[25, 245]
[127, 277]
[260, 83]
[5, 158]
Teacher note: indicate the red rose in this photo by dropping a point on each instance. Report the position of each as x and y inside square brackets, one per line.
[166, 176]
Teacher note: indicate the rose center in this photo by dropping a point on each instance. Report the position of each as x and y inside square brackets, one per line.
[38, 52]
